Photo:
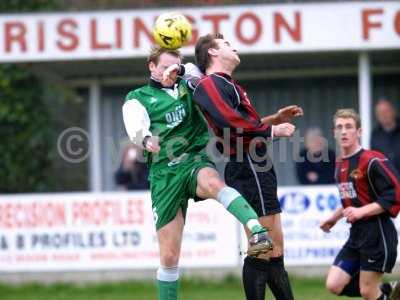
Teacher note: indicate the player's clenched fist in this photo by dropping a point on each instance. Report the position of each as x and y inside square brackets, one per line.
[327, 224]
[285, 129]
[170, 75]
[151, 144]
[287, 113]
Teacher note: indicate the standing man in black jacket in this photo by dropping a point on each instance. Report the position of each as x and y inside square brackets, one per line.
[317, 164]
[386, 136]
[132, 173]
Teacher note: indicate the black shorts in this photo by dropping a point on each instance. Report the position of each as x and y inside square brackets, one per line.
[256, 181]
[372, 245]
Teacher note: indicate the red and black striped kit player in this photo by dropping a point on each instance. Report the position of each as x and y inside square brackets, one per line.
[363, 178]
[369, 189]
[229, 112]
[245, 134]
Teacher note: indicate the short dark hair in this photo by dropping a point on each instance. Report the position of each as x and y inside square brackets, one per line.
[202, 58]
[156, 51]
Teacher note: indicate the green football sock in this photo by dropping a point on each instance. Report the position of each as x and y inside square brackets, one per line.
[246, 215]
[240, 208]
[167, 290]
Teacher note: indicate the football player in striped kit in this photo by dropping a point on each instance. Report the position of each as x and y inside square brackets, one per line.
[369, 189]
[249, 169]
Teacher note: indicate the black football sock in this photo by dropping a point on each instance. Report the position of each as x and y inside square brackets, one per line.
[386, 288]
[254, 278]
[259, 272]
[383, 297]
[278, 279]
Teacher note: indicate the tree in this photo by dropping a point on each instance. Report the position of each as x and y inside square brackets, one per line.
[26, 137]
[27, 6]
[25, 134]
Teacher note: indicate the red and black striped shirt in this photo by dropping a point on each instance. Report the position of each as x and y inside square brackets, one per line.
[226, 107]
[368, 176]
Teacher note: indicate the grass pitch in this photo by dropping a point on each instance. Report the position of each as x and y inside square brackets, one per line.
[227, 289]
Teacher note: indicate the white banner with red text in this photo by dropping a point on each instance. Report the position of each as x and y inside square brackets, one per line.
[87, 231]
[92, 231]
[251, 28]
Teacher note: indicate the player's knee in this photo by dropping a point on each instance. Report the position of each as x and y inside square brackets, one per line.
[214, 184]
[210, 182]
[170, 258]
[333, 287]
[367, 291]
[278, 250]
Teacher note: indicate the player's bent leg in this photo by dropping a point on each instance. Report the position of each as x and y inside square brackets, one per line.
[369, 285]
[169, 240]
[210, 185]
[336, 280]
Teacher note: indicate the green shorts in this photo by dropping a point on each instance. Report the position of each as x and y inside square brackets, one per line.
[173, 185]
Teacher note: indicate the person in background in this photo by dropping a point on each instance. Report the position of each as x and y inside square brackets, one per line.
[132, 172]
[386, 136]
[318, 161]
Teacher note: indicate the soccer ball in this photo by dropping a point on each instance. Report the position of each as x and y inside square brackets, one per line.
[172, 30]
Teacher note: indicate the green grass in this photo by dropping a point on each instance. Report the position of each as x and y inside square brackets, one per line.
[227, 289]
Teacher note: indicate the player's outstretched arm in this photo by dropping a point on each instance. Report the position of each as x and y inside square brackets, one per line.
[284, 115]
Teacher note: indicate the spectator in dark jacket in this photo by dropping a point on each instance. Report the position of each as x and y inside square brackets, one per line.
[317, 165]
[133, 172]
[386, 136]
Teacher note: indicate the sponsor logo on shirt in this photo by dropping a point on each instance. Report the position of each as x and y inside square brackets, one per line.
[356, 174]
[347, 190]
[174, 118]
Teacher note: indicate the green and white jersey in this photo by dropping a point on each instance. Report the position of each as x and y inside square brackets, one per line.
[171, 115]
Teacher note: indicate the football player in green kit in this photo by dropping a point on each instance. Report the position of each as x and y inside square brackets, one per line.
[162, 117]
